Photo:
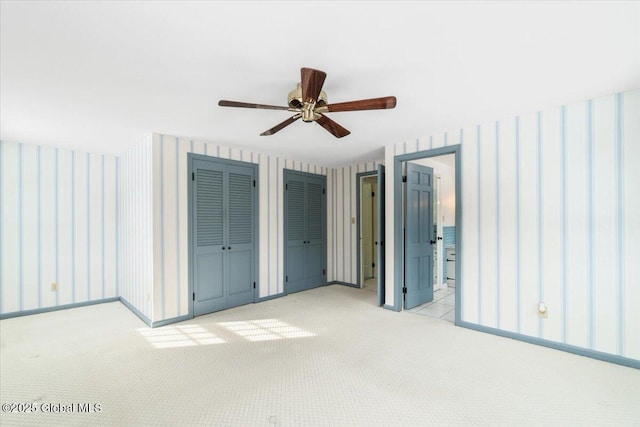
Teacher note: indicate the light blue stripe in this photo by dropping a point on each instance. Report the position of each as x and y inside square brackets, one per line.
[591, 225]
[39, 206]
[498, 224]
[479, 189]
[269, 224]
[461, 136]
[620, 187]
[117, 254]
[446, 139]
[278, 206]
[344, 275]
[229, 152]
[417, 144]
[20, 228]
[350, 231]
[1, 230]
[162, 223]
[565, 224]
[431, 142]
[73, 226]
[191, 145]
[404, 144]
[217, 151]
[88, 237]
[540, 223]
[518, 243]
[104, 279]
[178, 225]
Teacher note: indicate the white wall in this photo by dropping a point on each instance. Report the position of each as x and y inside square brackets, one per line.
[57, 225]
[550, 212]
[135, 228]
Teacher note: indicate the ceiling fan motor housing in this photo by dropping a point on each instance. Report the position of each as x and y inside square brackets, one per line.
[295, 99]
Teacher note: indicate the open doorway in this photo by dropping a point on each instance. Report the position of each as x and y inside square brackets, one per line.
[370, 232]
[429, 220]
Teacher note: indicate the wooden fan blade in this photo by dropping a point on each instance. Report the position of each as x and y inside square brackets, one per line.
[282, 125]
[225, 103]
[364, 104]
[333, 127]
[311, 84]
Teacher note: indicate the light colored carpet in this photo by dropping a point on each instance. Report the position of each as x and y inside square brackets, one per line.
[321, 357]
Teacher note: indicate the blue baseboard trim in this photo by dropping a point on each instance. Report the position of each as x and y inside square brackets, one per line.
[270, 297]
[391, 307]
[166, 322]
[606, 357]
[56, 308]
[137, 312]
[337, 282]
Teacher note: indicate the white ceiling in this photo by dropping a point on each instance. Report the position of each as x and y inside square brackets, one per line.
[98, 76]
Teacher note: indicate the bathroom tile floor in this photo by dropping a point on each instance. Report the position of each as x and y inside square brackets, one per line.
[442, 306]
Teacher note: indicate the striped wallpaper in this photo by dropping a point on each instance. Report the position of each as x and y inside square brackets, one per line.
[57, 225]
[170, 221]
[550, 214]
[135, 238]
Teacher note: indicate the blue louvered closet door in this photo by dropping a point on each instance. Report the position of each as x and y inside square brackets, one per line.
[224, 235]
[305, 231]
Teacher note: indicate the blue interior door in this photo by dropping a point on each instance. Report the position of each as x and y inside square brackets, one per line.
[224, 240]
[240, 250]
[380, 246]
[305, 230]
[419, 238]
[208, 200]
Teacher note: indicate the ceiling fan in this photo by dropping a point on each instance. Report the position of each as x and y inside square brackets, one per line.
[309, 102]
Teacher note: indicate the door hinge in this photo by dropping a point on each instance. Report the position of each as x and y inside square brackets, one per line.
[404, 178]
[323, 191]
[324, 271]
[286, 278]
[254, 285]
[286, 186]
[193, 296]
[254, 182]
[404, 290]
[373, 194]
[373, 265]
[193, 176]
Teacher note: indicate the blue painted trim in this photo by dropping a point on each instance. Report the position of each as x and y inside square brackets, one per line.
[55, 308]
[162, 259]
[178, 204]
[565, 221]
[591, 225]
[104, 278]
[39, 228]
[344, 274]
[270, 297]
[518, 242]
[1, 210]
[269, 226]
[190, 240]
[20, 231]
[498, 237]
[166, 322]
[540, 221]
[350, 232]
[479, 196]
[398, 255]
[137, 312]
[359, 177]
[391, 307]
[338, 282]
[620, 202]
[117, 254]
[88, 236]
[73, 226]
[277, 190]
[619, 360]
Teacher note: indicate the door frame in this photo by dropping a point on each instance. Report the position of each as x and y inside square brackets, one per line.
[285, 174]
[256, 222]
[398, 265]
[359, 177]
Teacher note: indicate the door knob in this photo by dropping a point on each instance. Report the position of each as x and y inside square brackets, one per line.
[433, 241]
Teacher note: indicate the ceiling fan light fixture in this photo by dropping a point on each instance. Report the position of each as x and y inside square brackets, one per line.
[295, 98]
